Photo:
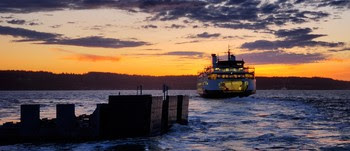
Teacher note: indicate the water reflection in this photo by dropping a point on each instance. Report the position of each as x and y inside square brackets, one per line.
[279, 120]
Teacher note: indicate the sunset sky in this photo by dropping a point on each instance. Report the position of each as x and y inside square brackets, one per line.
[176, 37]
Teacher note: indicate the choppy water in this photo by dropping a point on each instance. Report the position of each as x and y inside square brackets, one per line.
[268, 120]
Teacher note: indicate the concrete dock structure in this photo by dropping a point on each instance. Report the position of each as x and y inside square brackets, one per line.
[123, 116]
[128, 116]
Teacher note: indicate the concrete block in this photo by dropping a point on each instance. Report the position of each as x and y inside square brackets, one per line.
[169, 112]
[130, 115]
[30, 120]
[65, 119]
[172, 116]
[156, 116]
[99, 121]
[182, 109]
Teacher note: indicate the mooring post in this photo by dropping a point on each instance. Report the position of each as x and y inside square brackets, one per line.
[140, 89]
[164, 92]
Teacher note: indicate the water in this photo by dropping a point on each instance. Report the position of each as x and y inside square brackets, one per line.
[268, 120]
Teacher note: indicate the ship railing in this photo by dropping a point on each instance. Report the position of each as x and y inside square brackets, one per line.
[241, 70]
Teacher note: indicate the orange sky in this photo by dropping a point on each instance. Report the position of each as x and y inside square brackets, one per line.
[181, 46]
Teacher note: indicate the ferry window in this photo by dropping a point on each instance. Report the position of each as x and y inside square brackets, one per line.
[212, 76]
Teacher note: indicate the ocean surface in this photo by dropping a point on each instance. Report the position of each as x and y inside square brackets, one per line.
[268, 120]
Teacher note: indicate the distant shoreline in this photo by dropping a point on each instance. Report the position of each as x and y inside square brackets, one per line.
[36, 81]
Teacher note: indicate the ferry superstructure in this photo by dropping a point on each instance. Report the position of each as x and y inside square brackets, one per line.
[226, 78]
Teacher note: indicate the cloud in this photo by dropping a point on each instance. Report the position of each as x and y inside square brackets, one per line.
[16, 21]
[185, 54]
[55, 26]
[52, 38]
[205, 35]
[92, 58]
[149, 26]
[339, 50]
[252, 14]
[182, 54]
[188, 42]
[237, 14]
[85, 57]
[96, 41]
[175, 26]
[20, 6]
[280, 57]
[27, 35]
[237, 37]
[21, 22]
[299, 37]
[327, 3]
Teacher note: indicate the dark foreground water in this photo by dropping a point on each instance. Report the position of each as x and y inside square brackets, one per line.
[268, 120]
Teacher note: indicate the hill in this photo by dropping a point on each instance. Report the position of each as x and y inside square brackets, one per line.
[29, 80]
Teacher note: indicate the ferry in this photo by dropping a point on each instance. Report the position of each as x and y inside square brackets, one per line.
[226, 78]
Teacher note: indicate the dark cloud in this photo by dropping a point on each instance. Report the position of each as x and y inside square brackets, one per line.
[181, 54]
[205, 35]
[252, 14]
[16, 21]
[21, 22]
[33, 24]
[280, 57]
[188, 42]
[52, 38]
[340, 50]
[96, 41]
[184, 53]
[237, 14]
[55, 26]
[300, 37]
[22, 6]
[338, 4]
[334, 3]
[27, 35]
[195, 26]
[237, 37]
[149, 26]
[175, 26]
